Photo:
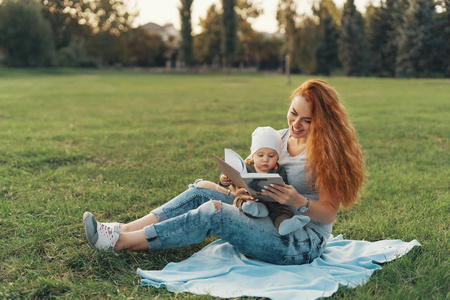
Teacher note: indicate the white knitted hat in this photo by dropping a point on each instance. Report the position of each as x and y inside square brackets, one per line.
[265, 137]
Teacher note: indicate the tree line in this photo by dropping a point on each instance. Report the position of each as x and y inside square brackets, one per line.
[395, 38]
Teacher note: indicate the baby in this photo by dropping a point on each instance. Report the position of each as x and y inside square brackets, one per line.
[265, 150]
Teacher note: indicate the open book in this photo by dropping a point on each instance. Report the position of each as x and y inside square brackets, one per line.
[234, 167]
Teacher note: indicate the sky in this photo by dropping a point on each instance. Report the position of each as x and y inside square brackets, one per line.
[166, 11]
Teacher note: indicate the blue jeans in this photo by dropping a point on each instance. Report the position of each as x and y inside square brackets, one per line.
[192, 216]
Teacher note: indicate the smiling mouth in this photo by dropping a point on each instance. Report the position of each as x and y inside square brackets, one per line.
[296, 130]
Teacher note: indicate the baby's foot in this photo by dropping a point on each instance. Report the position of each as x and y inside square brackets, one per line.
[99, 235]
[295, 223]
[255, 209]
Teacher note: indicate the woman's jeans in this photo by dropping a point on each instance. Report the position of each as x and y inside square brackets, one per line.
[192, 216]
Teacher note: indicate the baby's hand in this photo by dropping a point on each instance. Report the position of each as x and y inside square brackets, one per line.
[244, 195]
[225, 180]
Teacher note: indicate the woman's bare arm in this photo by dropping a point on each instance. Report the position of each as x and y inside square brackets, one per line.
[324, 211]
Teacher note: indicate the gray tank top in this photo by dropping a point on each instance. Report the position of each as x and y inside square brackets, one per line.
[296, 174]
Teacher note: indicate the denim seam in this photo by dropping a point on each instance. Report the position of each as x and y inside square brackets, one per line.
[305, 255]
[305, 241]
[220, 214]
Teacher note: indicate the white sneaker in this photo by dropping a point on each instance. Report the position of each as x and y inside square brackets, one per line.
[99, 235]
[113, 225]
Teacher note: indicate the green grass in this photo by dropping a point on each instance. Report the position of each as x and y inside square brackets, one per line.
[120, 143]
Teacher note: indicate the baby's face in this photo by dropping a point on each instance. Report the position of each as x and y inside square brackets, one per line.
[265, 159]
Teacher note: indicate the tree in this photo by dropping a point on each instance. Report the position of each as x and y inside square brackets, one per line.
[108, 49]
[249, 44]
[86, 21]
[80, 18]
[186, 33]
[65, 21]
[74, 55]
[416, 40]
[246, 9]
[110, 16]
[392, 14]
[327, 52]
[307, 44]
[109, 21]
[376, 27]
[351, 43]
[326, 55]
[446, 36]
[327, 8]
[249, 41]
[208, 43]
[144, 48]
[287, 17]
[270, 53]
[443, 27]
[230, 28]
[25, 36]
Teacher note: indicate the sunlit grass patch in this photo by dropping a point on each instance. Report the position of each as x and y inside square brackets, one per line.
[121, 143]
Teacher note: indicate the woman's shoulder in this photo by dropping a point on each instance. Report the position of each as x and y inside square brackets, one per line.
[284, 132]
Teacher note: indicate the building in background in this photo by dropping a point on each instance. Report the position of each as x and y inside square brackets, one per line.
[171, 38]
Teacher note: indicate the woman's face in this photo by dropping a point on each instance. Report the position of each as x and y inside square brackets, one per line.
[299, 117]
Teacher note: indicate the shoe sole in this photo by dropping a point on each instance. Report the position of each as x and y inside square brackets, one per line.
[85, 216]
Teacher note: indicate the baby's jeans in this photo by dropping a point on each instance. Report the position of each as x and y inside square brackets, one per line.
[192, 216]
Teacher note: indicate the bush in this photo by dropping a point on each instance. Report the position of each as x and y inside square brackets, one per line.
[25, 36]
[74, 56]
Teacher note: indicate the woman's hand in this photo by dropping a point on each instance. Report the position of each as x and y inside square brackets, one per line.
[225, 180]
[324, 210]
[286, 195]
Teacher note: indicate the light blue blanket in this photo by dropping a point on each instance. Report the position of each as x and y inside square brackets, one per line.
[219, 270]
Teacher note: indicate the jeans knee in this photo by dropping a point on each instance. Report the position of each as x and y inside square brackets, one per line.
[205, 185]
[210, 185]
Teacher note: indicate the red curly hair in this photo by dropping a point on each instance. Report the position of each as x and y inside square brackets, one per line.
[335, 158]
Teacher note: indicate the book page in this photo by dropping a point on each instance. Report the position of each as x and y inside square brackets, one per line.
[231, 172]
[235, 160]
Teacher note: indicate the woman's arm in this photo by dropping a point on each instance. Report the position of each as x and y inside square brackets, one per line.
[324, 211]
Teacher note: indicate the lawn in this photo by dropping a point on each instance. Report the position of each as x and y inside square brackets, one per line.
[120, 143]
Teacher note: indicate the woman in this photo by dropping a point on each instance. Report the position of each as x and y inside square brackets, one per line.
[325, 168]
